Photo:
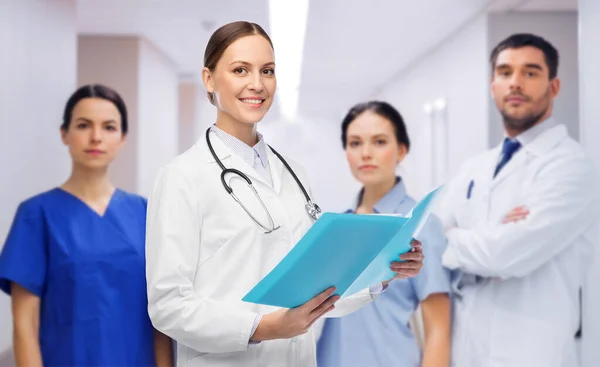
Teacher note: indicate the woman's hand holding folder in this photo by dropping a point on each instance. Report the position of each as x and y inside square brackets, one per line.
[411, 264]
[288, 323]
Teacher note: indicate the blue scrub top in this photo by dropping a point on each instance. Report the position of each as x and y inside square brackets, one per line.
[89, 272]
[378, 334]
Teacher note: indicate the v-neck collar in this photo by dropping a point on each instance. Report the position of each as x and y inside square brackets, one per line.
[388, 203]
[87, 206]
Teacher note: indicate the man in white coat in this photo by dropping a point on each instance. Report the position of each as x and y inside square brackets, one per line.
[520, 222]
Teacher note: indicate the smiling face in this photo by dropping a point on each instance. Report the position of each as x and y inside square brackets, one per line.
[243, 82]
[372, 149]
[522, 88]
[94, 135]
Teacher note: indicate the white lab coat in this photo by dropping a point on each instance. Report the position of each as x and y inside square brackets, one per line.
[204, 253]
[526, 313]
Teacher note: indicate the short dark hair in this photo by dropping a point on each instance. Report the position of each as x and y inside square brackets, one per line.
[519, 40]
[382, 109]
[223, 38]
[95, 91]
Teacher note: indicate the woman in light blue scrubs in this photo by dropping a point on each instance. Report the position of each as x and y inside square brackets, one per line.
[74, 260]
[375, 140]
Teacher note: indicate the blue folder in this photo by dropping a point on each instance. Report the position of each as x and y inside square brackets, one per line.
[349, 252]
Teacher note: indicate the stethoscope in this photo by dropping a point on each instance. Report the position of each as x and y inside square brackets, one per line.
[312, 209]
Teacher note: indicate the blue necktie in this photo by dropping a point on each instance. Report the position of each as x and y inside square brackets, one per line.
[509, 148]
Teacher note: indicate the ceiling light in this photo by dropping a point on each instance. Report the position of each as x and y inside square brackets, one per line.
[288, 29]
[440, 104]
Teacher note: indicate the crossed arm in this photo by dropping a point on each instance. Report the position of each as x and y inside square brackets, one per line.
[560, 207]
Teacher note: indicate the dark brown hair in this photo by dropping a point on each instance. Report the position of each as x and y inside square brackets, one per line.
[526, 39]
[383, 109]
[95, 91]
[225, 36]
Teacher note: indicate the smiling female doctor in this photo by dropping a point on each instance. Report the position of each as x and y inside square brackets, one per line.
[207, 247]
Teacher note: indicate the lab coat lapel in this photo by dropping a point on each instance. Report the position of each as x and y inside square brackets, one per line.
[232, 160]
[540, 145]
[277, 168]
[249, 200]
[240, 164]
[220, 149]
[517, 160]
[483, 178]
[548, 140]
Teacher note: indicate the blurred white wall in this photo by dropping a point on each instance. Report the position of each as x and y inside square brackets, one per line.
[560, 29]
[38, 74]
[113, 61]
[188, 113]
[148, 83]
[589, 61]
[158, 115]
[458, 72]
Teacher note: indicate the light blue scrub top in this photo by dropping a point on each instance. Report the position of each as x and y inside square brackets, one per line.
[378, 334]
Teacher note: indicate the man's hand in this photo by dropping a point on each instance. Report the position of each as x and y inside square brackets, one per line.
[288, 323]
[517, 214]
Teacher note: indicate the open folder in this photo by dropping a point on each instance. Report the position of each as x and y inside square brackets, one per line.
[348, 251]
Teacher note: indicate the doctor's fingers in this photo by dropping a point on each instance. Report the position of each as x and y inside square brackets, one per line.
[416, 246]
[406, 269]
[518, 210]
[513, 218]
[408, 266]
[406, 274]
[516, 215]
[323, 308]
[416, 256]
[317, 314]
[318, 300]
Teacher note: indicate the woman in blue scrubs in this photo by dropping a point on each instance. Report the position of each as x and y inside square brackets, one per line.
[73, 261]
[375, 140]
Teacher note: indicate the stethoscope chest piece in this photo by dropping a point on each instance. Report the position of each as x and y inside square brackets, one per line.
[313, 210]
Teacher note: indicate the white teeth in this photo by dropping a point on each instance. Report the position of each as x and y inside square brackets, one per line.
[252, 101]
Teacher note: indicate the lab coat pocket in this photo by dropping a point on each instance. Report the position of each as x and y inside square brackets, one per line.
[192, 356]
[521, 340]
[468, 214]
[241, 359]
[225, 222]
[220, 227]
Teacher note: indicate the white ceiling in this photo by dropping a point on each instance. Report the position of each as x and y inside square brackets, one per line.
[535, 5]
[351, 48]
[180, 28]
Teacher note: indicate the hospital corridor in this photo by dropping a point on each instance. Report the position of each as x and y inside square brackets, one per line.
[334, 183]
